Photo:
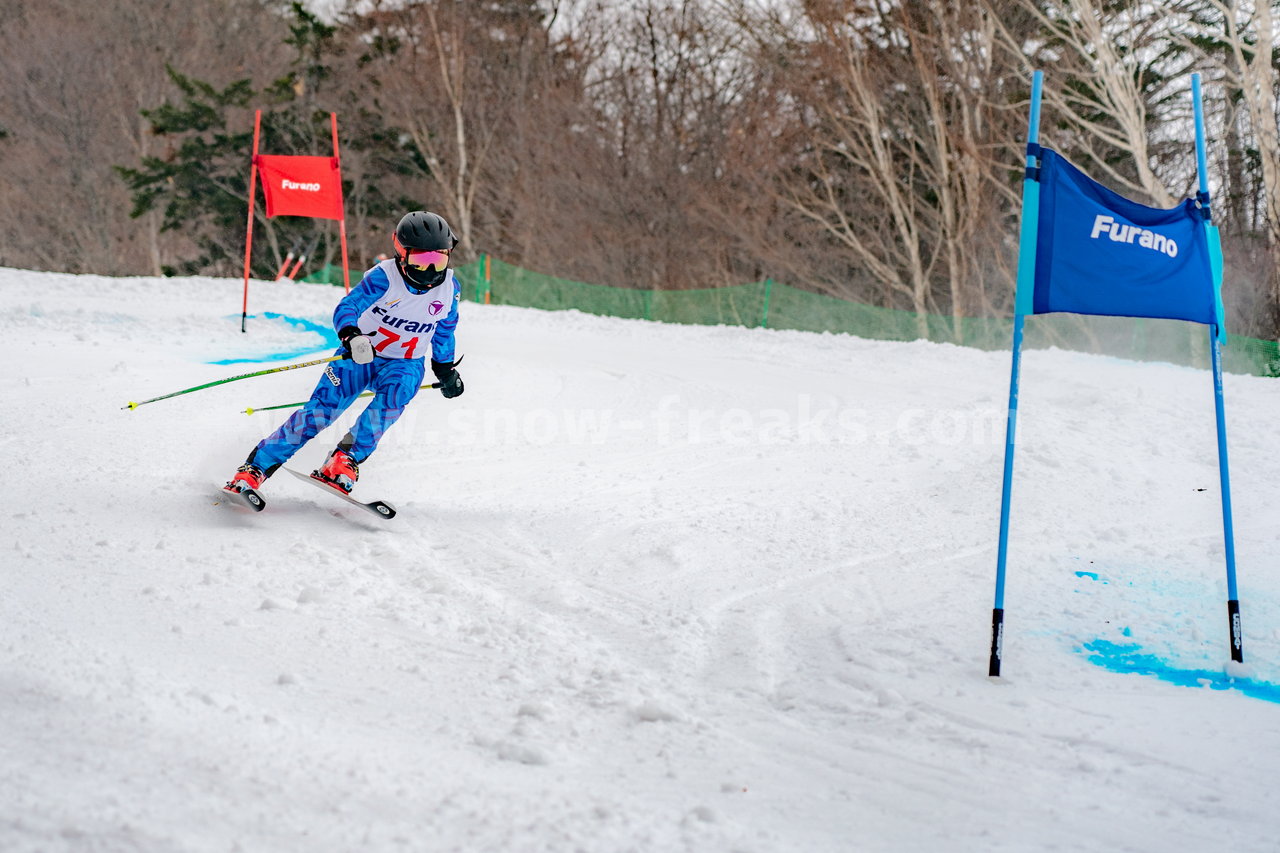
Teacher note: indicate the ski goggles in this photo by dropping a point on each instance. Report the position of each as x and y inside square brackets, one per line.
[436, 259]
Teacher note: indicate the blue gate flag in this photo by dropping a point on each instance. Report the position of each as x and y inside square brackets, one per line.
[1097, 252]
[1087, 250]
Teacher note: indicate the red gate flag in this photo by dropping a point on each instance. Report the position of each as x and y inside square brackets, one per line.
[295, 185]
[301, 186]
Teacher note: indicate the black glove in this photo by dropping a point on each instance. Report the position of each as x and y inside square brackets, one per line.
[357, 344]
[450, 381]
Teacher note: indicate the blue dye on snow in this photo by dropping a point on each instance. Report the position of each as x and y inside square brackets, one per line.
[1130, 659]
[325, 339]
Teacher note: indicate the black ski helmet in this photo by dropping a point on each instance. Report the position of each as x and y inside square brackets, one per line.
[422, 231]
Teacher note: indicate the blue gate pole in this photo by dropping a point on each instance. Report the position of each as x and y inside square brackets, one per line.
[1023, 305]
[1216, 334]
[1228, 526]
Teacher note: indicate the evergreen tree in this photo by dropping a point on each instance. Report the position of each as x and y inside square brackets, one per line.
[200, 183]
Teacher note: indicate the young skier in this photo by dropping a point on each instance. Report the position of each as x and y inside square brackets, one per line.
[403, 310]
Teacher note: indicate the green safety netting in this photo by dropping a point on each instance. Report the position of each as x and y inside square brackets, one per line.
[331, 274]
[775, 305]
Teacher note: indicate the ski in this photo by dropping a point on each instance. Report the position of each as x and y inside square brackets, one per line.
[381, 509]
[249, 499]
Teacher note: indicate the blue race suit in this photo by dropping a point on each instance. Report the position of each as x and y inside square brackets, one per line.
[394, 375]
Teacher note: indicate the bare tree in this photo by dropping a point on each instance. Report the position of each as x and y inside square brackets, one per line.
[443, 74]
[673, 97]
[899, 137]
[1237, 42]
[1112, 67]
[69, 120]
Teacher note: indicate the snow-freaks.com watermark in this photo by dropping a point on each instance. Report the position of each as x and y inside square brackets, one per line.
[676, 420]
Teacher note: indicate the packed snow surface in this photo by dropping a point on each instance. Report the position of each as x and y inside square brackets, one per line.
[651, 588]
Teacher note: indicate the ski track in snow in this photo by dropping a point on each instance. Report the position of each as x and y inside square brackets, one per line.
[650, 588]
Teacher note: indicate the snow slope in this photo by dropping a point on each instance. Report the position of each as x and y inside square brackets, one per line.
[651, 588]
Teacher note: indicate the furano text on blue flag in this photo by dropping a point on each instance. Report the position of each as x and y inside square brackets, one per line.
[1121, 233]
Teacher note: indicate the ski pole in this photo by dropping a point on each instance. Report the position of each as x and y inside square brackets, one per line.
[132, 405]
[251, 410]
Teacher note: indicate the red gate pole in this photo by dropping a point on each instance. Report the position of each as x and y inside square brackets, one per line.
[288, 259]
[342, 223]
[248, 235]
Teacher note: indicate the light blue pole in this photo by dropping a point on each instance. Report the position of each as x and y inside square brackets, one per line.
[1215, 346]
[1202, 168]
[1023, 305]
[1228, 527]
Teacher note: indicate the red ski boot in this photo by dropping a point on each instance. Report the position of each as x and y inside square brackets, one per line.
[339, 471]
[247, 477]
